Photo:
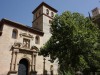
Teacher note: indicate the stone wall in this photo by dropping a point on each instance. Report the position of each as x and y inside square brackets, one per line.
[6, 43]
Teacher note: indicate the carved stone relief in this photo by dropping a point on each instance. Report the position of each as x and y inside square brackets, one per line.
[26, 35]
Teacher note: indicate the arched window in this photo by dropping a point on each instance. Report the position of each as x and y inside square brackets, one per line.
[14, 33]
[37, 40]
[52, 14]
[47, 12]
[50, 21]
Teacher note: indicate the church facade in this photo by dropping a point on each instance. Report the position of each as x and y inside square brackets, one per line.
[20, 44]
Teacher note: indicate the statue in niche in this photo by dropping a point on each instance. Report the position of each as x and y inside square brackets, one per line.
[26, 43]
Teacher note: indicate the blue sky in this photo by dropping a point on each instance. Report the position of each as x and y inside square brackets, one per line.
[21, 10]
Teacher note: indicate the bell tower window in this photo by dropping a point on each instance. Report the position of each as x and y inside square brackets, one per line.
[37, 40]
[52, 14]
[47, 12]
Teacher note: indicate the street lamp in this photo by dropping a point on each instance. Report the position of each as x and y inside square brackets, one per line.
[44, 66]
[51, 67]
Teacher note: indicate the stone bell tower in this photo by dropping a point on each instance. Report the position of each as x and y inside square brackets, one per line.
[42, 17]
[96, 16]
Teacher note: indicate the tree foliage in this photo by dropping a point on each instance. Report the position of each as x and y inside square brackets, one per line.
[74, 42]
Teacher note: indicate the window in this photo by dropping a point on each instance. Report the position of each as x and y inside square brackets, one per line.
[50, 21]
[37, 40]
[14, 33]
[52, 14]
[47, 12]
[26, 43]
[39, 13]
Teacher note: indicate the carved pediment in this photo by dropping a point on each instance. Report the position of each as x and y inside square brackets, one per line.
[26, 35]
[17, 44]
[34, 48]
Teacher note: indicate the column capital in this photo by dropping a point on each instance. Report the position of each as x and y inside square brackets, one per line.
[16, 50]
[34, 54]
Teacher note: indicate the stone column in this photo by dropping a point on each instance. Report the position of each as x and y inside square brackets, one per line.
[44, 66]
[51, 69]
[12, 60]
[16, 52]
[33, 66]
[34, 62]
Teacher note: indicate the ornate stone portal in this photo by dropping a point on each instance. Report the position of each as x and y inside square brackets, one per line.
[19, 53]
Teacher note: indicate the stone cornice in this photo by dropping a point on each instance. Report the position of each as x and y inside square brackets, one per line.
[41, 15]
[23, 27]
[26, 35]
[25, 50]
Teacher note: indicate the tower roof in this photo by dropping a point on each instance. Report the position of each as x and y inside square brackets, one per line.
[43, 3]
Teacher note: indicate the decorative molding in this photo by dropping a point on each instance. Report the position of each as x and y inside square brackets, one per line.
[26, 35]
[34, 48]
[21, 26]
[12, 73]
[25, 55]
[41, 15]
[18, 47]
[17, 44]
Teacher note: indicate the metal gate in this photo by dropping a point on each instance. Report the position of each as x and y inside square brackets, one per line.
[23, 67]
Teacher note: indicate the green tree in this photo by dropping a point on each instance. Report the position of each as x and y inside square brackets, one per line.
[74, 43]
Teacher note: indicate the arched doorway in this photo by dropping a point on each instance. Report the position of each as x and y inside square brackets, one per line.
[23, 67]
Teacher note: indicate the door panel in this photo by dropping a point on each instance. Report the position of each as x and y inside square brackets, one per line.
[23, 67]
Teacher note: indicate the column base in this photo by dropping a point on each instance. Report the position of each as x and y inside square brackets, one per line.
[33, 73]
[12, 73]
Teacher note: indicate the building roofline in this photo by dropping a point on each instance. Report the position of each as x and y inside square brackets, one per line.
[95, 9]
[43, 3]
[21, 26]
